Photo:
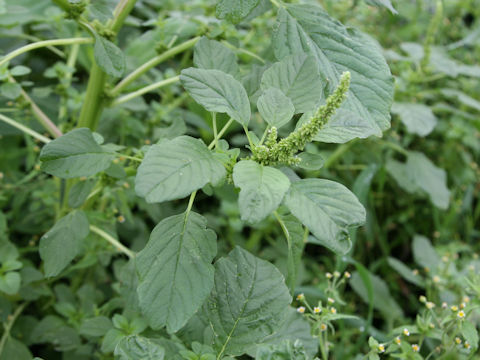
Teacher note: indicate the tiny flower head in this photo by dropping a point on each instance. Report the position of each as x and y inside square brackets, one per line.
[330, 300]
[429, 305]
[397, 340]
[431, 326]
[336, 274]
[415, 272]
[301, 309]
[381, 348]
[461, 314]
[463, 305]
[121, 219]
[444, 305]
[347, 275]
[466, 345]
[328, 275]
[415, 348]
[323, 327]
[406, 332]
[458, 341]
[333, 310]
[422, 299]
[454, 308]
[436, 279]
[300, 297]
[317, 310]
[466, 299]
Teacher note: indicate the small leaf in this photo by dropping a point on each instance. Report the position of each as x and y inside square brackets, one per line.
[138, 348]
[275, 108]
[424, 253]
[75, 154]
[384, 3]
[14, 350]
[210, 54]
[328, 209]
[248, 302]
[175, 168]
[109, 57]
[175, 271]
[217, 91]
[59, 246]
[309, 161]
[298, 77]
[96, 326]
[262, 189]
[10, 282]
[10, 90]
[20, 70]
[235, 10]
[79, 192]
[419, 119]
[470, 333]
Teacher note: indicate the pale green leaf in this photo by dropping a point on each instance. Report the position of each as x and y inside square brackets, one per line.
[95, 326]
[366, 111]
[248, 302]
[275, 108]
[79, 192]
[328, 209]
[235, 10]
[418, 118]
[175, 270]
[424, 253]
[261, 189]
[59, 246]
[217, 91]
[470, 333]
[210, 54]
[20, 70]
[109, 57]
[10, 90]
[138, 348]
[298, 77]
[405, 272]
[10, 282]
[75, 154]
[462, 98]
[15, 350]
[310, 161]
[385, 3]
[175, 168]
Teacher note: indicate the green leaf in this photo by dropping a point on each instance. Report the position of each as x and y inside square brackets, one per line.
[328, 209]
[10, 90]
[248, 302]
[8, 251]
[385, 3]
[366, 111]
[298, 77]
[138, 348]
[109, 57]
[424, 253]
[419, 174]
[217, 91]
[235, 10]
[210, 54]
[15, 350]
[75, 154]
[382, 300]
[310, 161]
[20, 70]
[175, 271]
[262, 189]
[59, 246]
[175, 168]
[470, 333]
[79, 192]
[96, 326]
[285, 350]
[10, 282]
[462, 98]
[275, 108]
[419, 119]
[51, 329]
[405, 272]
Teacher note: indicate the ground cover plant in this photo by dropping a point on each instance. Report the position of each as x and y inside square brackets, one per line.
[239, 179]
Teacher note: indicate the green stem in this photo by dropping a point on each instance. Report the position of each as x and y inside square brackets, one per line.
[338, 153]
[44, 43]
[122, 10]
[24, 129]
[393, 146]
[72, 58]
[93, 103]
[130, 157]
[8, 326]
[225, 127]
[248, 137]
[119, 246]
[243, 51]
[152, 63]
[145, 90]
[215, 132]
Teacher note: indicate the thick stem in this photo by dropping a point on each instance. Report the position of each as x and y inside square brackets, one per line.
[93, 103]
[122, 10]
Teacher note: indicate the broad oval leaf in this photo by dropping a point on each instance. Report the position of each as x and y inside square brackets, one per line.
[10, 282]
[75, 154]
[175, 270]
[298, 77]
[366, 111]
[261, 189]
[235, 10]
[328, 209]
[418, 118]
[175, 168]
[59, 246]
[425, 254]
[217, 91]
[138, 348]
[275, 108]
[210, 54]
[109, 57]
[248, 302]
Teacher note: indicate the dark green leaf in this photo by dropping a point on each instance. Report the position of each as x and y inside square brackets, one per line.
[109, 57]
[138, 348]
[210, 54]
[275, 108]
[235, 10]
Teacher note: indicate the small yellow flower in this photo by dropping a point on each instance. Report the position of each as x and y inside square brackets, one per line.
[445, 258]
[330, 300]
[454, 308]
[426, 269]
[422, 299]
[458, 341]
[461, 314]
[415, 348]
[336, 274]
[466, 299]
[347, 275]
[328, 275]
[406, 332]
[147, 141]
[415, 272]
[466, 345]
[429, 305]
[333, 310]
[323, 327]
[436, 279]
[381, 348]
[301, 309]
[431, 326]
[397, 340]
[471, 268]
[300, 297]
[463, 305]
[121, 219]
[317, 310]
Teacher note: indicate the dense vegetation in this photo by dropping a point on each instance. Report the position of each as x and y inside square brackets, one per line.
[239, 179]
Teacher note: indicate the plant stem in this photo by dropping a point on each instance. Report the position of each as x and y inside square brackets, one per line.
[25, 129]
[338, 153]
[225, 127]
[130, 157]
[92, 105]
[119, 246]
[215, 132]
[152, 63]
[72, 58]
[145, 90]
[243, 51]
[9, 324]
[248, 137]
[122, 10]
[44, 43]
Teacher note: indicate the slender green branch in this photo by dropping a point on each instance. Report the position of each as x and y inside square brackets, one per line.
[25, 129]
[248, 137]
[9, 325]
[215, 132]
[394, 146]
[130, 157]
[430, 37]
[119, 246]
[145, 90]
[44, 43]
[243, 51]
[152, 63]
[122, 10]
[222, 131]
[72, 58]
[338, 153]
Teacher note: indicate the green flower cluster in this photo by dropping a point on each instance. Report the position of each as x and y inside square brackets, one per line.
[283, 151]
